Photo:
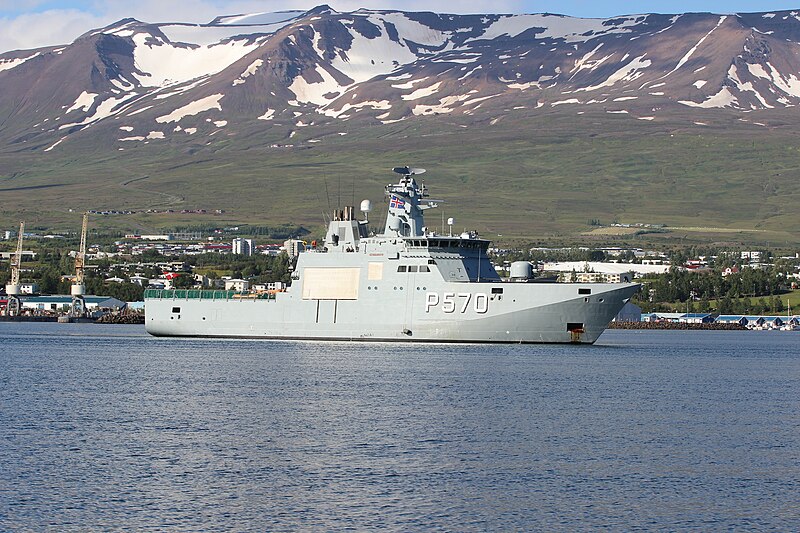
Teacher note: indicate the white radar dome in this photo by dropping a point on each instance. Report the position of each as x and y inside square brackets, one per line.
[366, 206]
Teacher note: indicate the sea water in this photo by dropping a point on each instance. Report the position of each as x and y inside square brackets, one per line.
[106, 428]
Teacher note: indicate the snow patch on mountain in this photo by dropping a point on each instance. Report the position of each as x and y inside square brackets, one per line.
[7, 64]
[408, 84]
[724, 98]
[444, 105]
[585, 63]
[368, 58]
[83, 102]
[381, 105]
[423, 92]
[790, 84]
[164, 64]
[694, 48]
[733, 75]
[249, 71]
[629, 72]
[556, 27]
[257, 18]
[268, 114]
[203, 35]
[454, 59]
[198, 106]
[55, 144]
[173, 91]
[315, 92]
[104, 109]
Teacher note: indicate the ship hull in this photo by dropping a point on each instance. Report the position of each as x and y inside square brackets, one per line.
[450, 312]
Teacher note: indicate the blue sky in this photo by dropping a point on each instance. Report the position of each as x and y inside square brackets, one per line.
[32, 23]
[581, 8]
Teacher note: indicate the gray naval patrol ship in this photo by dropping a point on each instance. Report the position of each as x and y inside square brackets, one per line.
[406, 284]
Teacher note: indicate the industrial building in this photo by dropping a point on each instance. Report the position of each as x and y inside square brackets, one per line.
[597, 267]
[63, 303]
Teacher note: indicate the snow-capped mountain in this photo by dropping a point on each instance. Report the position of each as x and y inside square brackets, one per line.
[137, 82]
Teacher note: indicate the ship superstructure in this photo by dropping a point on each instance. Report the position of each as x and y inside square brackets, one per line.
[406, 284]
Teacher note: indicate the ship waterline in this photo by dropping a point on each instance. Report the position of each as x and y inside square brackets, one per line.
[407, 284]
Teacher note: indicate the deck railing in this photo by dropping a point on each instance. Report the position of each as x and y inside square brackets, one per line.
[197, 294]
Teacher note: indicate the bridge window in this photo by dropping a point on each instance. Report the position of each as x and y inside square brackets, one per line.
[401, 268]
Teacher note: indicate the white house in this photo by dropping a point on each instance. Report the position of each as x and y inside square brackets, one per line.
[240, 285]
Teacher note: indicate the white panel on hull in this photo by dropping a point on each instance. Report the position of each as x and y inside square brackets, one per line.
[375, 271]
[330, 283]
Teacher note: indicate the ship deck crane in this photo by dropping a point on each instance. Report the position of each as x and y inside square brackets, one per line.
[78, 287]
[13, 287]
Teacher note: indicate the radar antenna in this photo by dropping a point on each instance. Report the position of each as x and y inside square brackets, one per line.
[408, 171]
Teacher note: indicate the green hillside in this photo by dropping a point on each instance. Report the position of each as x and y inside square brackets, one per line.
[524, 176]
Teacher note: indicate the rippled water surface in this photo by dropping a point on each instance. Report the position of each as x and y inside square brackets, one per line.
[106, 428]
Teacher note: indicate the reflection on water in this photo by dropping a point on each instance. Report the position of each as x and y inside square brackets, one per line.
[108, 428]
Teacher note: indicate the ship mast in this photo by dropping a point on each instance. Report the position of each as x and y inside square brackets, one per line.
[407, 201]
[13, 288]
[78, 287]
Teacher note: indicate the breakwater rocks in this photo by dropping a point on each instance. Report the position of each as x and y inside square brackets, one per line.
[121, 319]
[676, 325]
[26, 318]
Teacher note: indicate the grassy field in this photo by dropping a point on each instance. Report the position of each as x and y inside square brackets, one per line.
[537, 177]
[791, 298]
[613, 231]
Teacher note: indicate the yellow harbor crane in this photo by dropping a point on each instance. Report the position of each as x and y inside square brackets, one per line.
[13, 288]
[78, 287]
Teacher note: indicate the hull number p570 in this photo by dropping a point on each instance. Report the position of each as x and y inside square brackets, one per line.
[457, 302]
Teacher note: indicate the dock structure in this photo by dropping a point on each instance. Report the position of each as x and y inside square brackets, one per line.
[13, 289]
[78, 290]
